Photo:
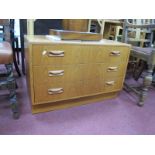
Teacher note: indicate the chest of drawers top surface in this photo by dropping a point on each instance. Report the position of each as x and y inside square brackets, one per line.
[42, 39]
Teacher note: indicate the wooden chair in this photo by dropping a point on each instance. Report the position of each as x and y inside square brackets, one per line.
[103, 26]
[145, 55]
[114, 32]
[8, 31]
[7, 80]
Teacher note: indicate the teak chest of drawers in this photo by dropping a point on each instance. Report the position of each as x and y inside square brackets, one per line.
[63, 74]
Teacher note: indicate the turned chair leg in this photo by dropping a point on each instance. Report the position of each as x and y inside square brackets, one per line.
[147, 80]
[12, 88]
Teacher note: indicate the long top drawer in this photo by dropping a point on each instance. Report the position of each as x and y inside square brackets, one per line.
[75, 54]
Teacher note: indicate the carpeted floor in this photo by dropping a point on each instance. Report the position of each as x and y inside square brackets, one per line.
[116, 116]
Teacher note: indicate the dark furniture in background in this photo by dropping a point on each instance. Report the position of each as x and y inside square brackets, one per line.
[7, 80]
[42, 26]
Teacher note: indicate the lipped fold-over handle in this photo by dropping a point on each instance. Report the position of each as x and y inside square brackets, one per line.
[53, 53]
[110, 82]
[53, 91]
[115, 53]
[112, 69]
[56, 73]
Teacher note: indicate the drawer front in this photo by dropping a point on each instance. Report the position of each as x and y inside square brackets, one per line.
[68, 54]
[60, 91]
[77, 54]
[113, 83]
[57, 91]
[68, 73]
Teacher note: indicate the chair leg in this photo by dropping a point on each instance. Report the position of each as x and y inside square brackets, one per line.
[12, 88]
[17, 68]
[15, 63]
[17, 50]
[146, 84]
[139, 69]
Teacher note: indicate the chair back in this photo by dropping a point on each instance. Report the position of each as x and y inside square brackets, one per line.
[138, 32]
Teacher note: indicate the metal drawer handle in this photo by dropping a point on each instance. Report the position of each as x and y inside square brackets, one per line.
[56, 73]
[115, 53]
[112, 69]
[53, 91]
[53, 53]
[110, 82]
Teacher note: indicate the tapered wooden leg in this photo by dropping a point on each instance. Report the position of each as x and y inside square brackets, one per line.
[12, 88]
[146, 84]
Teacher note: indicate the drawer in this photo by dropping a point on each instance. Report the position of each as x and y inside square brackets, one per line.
[113, 83]
[68, 54]
[68, 73]
[75, 54]
[58, 91]
[117, 54]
